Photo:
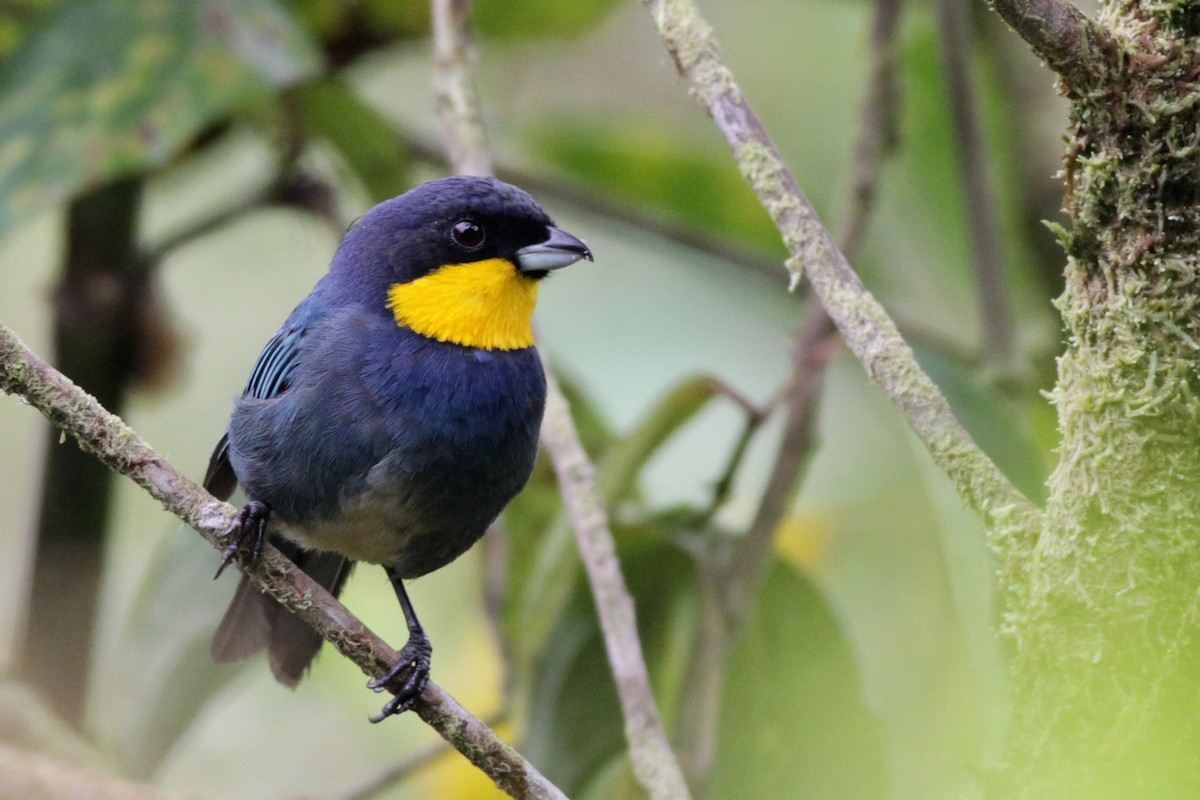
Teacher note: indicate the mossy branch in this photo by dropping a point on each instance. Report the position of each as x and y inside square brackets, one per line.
[864, 324]
[109, 439]
[1060, 34]
[1105, 653]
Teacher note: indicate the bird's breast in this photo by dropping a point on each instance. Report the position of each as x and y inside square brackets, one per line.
[403, 458]
[485, 304]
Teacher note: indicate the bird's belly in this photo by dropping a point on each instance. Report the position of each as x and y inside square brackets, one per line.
[374, 534]
[398, 525]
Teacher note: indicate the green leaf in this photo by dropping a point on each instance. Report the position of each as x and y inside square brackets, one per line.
[16, 17]
[624, 461]
[971, 578]
[361, 135]
[885, 537]
[575, 726]
[543, 558]
[793, 721]
[527, 19]
[106, 87]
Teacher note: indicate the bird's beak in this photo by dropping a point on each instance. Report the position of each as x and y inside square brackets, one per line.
[560, 249]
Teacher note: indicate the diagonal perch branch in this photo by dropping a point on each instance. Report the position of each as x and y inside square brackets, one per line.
[108, 438]
[864, 324]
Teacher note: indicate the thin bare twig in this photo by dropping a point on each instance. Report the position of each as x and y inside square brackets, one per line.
[754, 419]
[811, 351]
[288, 188]
[813, 346]
[878, 123]
[454, 88]
[108, 438]
[867, 329]
[987, 248]
[729, 584]
[654, 763]
[728, 589]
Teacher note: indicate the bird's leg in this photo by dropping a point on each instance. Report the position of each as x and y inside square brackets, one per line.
[413, 659]
[247, 531]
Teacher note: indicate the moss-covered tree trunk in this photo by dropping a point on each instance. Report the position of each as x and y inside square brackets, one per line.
[1107, 630]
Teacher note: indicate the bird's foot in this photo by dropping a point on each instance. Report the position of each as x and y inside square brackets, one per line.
[248, 531]
[412, 671]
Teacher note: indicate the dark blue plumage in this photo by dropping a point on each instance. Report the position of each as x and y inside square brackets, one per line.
[361, 439]
[424, 438]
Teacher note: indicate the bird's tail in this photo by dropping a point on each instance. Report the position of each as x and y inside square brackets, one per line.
[255, 621]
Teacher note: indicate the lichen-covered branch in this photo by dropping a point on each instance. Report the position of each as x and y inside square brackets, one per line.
[862, 321]
[109, 439]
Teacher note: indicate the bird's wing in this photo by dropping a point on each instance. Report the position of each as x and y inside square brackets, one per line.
[270, 377]
[273, 372]
[220, 480]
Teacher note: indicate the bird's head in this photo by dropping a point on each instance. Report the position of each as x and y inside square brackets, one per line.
[458, 260]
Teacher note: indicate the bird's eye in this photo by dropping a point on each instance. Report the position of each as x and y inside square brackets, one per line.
[467, 233]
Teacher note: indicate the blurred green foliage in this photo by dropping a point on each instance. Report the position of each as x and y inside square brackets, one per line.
[643, 163]
[363, 139]
[538, 20]
[100, 88]
[864, 670]
[381, 19]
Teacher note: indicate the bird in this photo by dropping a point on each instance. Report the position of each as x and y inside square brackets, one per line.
[394, 414]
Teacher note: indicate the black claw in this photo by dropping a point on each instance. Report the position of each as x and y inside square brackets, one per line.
[248, 530]
[413, 665]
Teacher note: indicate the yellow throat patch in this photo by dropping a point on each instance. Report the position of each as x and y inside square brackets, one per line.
[486, 304]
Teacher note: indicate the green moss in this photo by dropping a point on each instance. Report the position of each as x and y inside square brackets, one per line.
[1104, 634]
